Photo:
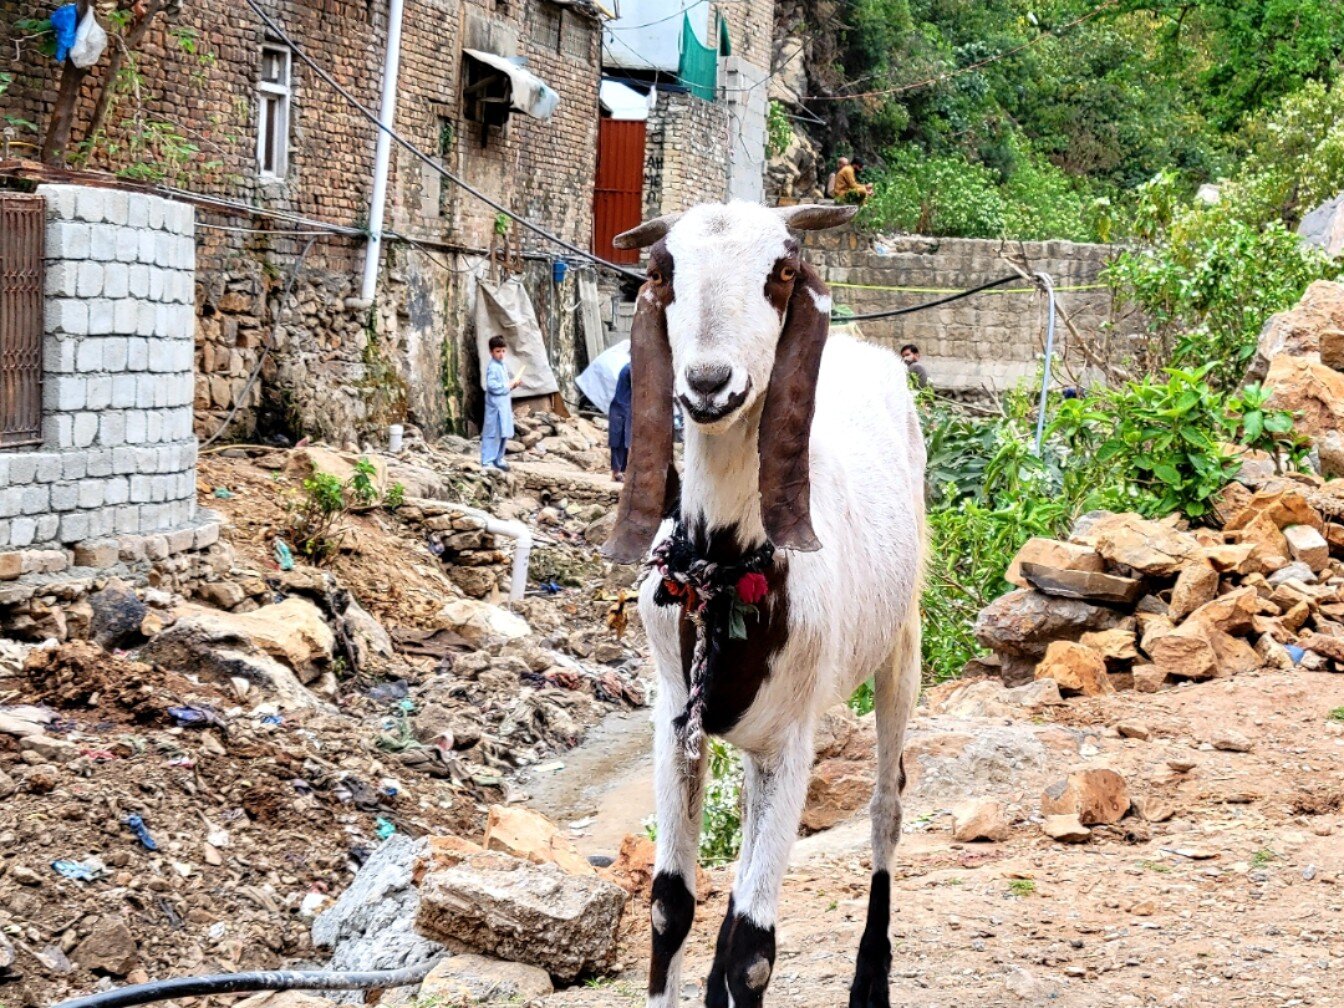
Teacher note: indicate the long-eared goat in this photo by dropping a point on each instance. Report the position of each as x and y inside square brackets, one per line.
[784, 563]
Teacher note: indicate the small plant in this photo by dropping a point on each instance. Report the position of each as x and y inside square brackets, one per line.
[861, 702]
[778, 130]
[1021, 887]
[721, 830]
[1262, 857]
[1337, 714]
[315, 521]
[362, 483]
[396, 496]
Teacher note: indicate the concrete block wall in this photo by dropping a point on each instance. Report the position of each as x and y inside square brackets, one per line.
[992, 341]
[119, 455]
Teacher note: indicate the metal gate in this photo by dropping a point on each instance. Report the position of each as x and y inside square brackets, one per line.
[22, 229]
[618, 197]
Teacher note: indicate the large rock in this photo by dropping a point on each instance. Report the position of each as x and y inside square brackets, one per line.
[1195, 585]
[1315, 393]
[500, 906]
[1185, 653]
[1090, 586]
[531, 836]
[478, 622]
[117, 615]
[372, 925]
[943, 767]
[1076, 668]
[109, 948]
[1297, 332]
[1023, 623]
[980, 819]
[1097, 797]
[837, 789]
[1307, 545]
[1283, 505]
[1149, 547]
[1054, 554]
[292, 632]
[463, 980]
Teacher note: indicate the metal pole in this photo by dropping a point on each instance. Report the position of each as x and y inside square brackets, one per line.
[1049, 286]
[382, 155]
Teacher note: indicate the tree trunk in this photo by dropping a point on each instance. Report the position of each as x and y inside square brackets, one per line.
[119, 51]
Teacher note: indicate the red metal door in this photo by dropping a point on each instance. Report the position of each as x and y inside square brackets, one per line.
[618, 197]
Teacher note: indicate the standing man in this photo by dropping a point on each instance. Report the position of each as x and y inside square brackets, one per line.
[619, 421]
[498, 426]
[910, 354]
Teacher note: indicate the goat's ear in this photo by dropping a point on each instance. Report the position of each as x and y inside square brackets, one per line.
[647, 233]
[786, 422]
[644, 494]
[815, 216]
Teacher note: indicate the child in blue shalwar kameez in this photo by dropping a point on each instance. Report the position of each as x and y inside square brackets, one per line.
[498, 426]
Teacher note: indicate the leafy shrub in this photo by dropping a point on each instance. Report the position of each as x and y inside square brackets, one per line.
[362, 483]
[721, 822]
[315, 520]
[396, 496]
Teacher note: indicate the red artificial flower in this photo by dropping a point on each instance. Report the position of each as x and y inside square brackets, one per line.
[753, 587]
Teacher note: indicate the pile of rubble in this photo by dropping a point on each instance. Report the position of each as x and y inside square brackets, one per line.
[1130, 602]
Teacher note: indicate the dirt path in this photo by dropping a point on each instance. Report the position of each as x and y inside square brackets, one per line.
[1235, 899]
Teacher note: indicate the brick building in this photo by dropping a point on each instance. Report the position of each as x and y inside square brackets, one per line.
[275, 138]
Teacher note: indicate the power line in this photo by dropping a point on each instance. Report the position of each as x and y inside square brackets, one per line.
[925, 305]
[902, 89]
[415, 152]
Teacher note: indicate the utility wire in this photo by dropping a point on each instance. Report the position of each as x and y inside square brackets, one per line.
[425, 158]
[923, 306]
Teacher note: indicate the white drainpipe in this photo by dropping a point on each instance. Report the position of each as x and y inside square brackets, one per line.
[382, 154]
[516, 531]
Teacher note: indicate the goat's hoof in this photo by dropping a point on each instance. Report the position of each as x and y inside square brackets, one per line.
[869, 992]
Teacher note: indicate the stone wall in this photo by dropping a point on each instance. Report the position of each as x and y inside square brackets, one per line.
[119, 456]
[990, 341]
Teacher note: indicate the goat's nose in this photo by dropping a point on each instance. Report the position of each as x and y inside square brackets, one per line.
[707, 379]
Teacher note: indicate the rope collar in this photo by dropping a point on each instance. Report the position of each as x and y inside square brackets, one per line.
[717, 598]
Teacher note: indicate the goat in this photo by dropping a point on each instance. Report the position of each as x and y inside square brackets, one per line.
[802, 492]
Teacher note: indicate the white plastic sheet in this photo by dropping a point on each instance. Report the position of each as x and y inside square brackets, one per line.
[598, 381]
[90, 41]
[507, 311]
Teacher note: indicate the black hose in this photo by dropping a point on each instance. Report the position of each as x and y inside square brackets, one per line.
[911, 309]
[261, 980]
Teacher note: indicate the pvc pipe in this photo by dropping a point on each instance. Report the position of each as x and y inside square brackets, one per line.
[382, 153]
[1049, 352]
[516, 531]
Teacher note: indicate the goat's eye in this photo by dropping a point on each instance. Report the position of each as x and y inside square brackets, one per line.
[656, 277]
[787, 273]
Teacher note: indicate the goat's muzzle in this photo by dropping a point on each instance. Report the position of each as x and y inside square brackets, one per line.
[704, 410]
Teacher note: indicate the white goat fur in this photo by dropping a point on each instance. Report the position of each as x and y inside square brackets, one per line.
[853, 605]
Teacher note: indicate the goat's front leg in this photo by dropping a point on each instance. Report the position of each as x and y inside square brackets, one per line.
[776, 789]
[679, 787]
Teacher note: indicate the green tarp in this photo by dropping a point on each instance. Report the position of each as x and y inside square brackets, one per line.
[699, 69]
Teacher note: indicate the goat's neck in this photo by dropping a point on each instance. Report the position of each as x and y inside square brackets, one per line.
[721, 485]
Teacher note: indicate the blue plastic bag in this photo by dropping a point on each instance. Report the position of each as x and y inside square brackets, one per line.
[141, 831]
[65, 23]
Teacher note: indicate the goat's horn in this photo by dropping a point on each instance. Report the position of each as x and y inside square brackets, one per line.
[647, 233]
[815, 217]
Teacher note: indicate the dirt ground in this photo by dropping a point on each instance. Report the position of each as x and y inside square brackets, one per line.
[1236, 899]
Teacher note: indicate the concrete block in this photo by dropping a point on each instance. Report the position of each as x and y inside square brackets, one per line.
[4, 532]
[60, 201]
[128, 245]
[22, 468]
[62, 279]
[145, 247]
[137, 280]
[154, 426]
[35, 498]
[65, 393]
[100, 464]
[89, 279]
[123, 460]
[67, 315]
[58, 430]
[112, 429]
[101, 522]
[89, 204]
[156, 547]
[156, 204]
[67, 240]
[22, 531]
[64, 496]
[4, 470]
[144, 390]
[147, 460]
[116, 207]
[127, 519]
[102, 317]
[58, 354]
[135, 427]
[123, 390]
[163, 249]
[48, 466]
[116, 490]
[180, 540]
[75, 526]
[141, 489]
[132, 548]
[137, 353]
[103, 242]
[137, 210]
[116, 280]
[74, 465]
[85, 430]
[145, 319]
[89, 357]
[91, 493]
[156, 283]
[97, 553]
[11, 501]
[48, 525]
[98, 395]
[125, 313]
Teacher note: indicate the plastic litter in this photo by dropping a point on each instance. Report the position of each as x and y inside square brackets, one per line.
[1295, 653]
[223, 493]
[397, 689]
[89, 870]
[196, 717]
[384, 828]
[141, 831]
[65, 23]
[273, 719]
[283, 556]
[90, 41]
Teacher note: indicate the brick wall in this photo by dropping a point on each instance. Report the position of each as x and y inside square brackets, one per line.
[685, 158]
[993, 340]
[119, 457]
[338, 368]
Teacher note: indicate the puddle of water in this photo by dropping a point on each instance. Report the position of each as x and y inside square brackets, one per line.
[608, 779]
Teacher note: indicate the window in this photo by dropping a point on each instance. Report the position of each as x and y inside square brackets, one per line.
[273, 112]
[549, 27]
